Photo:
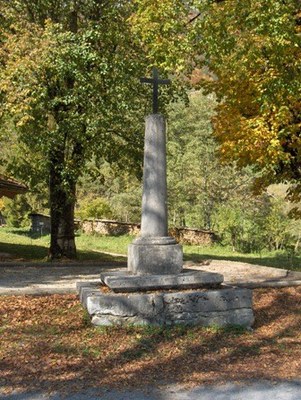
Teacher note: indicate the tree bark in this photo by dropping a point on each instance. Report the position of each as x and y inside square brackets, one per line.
[62, 187]
[62, 202]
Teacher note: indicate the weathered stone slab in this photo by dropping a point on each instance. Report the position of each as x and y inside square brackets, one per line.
[213, 307]
[86, 290]
[188, 279]
[243, 317]
[154, 259]
[117, 273]
[208, 301]
[125, 309]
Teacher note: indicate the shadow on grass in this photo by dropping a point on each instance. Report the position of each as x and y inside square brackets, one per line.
[277, 261]
[28, 233]
[25, 251]
[39, 252]
[85, 255]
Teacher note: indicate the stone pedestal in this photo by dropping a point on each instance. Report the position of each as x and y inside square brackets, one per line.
[152, 256]
[223, 307]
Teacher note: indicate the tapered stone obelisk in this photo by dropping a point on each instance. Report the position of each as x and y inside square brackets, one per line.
[154, 200]
[154, 252]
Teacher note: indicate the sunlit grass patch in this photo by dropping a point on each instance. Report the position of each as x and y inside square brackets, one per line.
[22, 245]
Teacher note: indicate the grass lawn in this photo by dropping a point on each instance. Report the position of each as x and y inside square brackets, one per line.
[20, 244]
[47, 344]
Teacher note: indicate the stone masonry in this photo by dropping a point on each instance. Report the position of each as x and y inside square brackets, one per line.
[221, 307]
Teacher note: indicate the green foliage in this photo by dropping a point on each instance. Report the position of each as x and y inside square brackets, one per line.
[16, 212]
[257, 224]
[206, 193]
[121, 189]
[276, 226]
[94, 208]
[230, 224]
[127, 204]
[253, 49]
[162, 28]
[198, 182]
[55, 83]
[70, 90]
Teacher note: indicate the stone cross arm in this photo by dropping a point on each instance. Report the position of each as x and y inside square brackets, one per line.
[155, 81]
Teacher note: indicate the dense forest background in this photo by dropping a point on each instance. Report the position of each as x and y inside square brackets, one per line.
[72, 114]
[203, 192]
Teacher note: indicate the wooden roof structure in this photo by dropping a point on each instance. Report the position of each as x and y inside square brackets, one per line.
[10, 188]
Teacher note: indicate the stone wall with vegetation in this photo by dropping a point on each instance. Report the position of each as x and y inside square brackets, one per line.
[116, 228]
[193, 236]
[108, 227]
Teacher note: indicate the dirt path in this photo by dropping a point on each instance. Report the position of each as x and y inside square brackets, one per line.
[231, 391]
[29, 278]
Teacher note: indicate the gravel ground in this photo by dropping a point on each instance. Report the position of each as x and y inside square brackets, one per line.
[253, 391]
[29, 278]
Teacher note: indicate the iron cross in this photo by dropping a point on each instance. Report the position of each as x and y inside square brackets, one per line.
[155, 81]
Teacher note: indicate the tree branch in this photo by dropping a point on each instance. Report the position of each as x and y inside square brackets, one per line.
[199, 14]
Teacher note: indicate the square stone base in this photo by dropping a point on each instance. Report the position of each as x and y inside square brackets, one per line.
[223, 307]
[155, 259]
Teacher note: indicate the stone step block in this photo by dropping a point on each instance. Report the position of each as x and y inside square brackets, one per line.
[155, 256]
[188, 279]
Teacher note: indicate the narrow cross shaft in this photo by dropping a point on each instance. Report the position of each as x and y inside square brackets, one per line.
[155, 81]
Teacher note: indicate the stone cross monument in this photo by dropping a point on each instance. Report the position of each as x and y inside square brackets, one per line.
[141, 294]
[155, 81]
[154, 252]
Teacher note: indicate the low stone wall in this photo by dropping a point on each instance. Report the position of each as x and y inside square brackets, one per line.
[193, 236]
[41, 223]
[182, 235]
[107, 227]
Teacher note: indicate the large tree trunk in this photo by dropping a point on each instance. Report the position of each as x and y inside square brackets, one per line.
[62, 202]
[62, 186]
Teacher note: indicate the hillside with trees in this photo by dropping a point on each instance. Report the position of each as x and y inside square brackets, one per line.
[72, 112]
